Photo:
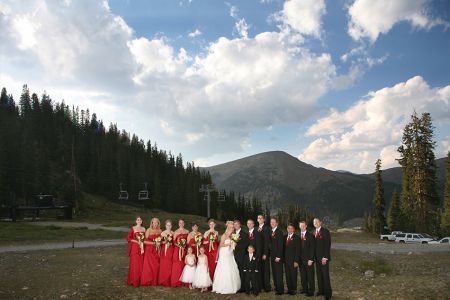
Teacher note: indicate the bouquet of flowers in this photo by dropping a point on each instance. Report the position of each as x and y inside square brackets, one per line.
[198, 238]
[181, 244]
[157, 242]
[140, 237]
[235, 238]
[212, 236]
[167, 241]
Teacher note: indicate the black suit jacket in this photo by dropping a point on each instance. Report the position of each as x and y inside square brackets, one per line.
[251, 266]
[323, 244]
[241, 247]
[265, 234]
[307, 247]
[256, 240]
[276, 244]
[292, 249]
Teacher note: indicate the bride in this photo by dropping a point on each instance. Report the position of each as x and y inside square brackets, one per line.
[226, 277]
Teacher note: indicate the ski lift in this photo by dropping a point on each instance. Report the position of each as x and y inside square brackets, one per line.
[143, 194]
[221, 197]
[123, 195]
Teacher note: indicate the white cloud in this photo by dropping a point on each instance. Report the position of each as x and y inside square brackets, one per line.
[303, 16]
[369, 19]
[373, 126]
[195, 33]
[242, 27]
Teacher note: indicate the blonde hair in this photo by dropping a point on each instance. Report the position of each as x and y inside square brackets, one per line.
[229, 223]
[158, 222]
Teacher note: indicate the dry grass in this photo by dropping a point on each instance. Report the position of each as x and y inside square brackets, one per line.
[101, 274]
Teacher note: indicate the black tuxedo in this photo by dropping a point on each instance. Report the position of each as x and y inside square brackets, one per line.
[256, 240]
[276, 251]
[240, 251]
[265, 264]
[322, 249]
[307, 272]
[291, 256]
[250, 269]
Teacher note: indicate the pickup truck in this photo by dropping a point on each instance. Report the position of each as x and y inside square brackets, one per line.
[389, 237]
[411, 238]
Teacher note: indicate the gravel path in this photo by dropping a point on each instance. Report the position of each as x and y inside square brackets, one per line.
[78, 224]
[65, 245]
[391, 248]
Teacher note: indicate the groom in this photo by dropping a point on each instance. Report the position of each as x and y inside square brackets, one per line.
[241, 249]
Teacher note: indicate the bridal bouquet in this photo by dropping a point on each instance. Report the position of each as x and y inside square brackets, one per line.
[140, 237]
[167, 241]
[235, 238]
[198, 238]
[157, 242]
[181, 244]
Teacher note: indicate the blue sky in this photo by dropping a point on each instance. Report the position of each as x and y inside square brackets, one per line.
[330, 82]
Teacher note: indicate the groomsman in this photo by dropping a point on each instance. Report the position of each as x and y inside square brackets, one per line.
[307, 260]
[291, 259]
[322, 258]
[255, 238]
[265, 231]
[276, 256]
[251, 271]
[241, 249]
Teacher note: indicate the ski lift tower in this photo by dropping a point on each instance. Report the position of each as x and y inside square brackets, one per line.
[123, 195]
[207, 189]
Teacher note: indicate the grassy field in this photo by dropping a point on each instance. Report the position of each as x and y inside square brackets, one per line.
[21, 233]
[101, 273]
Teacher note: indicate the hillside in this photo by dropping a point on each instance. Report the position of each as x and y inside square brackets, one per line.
[279, 178]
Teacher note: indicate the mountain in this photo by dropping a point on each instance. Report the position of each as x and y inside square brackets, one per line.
[279, 178]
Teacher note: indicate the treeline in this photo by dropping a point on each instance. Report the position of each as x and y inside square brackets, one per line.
[48, 147]
[417, 208]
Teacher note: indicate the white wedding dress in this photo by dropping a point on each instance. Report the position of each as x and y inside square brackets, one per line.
[226, 276]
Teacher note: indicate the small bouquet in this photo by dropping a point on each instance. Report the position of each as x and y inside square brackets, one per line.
[181, 244]
[235, 238]
[157, 242]
[212, 236]
[167, 241]
[198, 238]
[140, 237]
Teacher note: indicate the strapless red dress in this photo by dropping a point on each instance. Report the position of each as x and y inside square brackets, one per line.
[165, 264]
[136, 260]
[211, 252]
[150, 268]
[178, 262]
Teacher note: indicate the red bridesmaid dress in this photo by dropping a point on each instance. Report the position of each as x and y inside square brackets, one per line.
[150, 268]
[136, 260]
[178, 262]
[211, 253]
[165, 264]
[191, 243]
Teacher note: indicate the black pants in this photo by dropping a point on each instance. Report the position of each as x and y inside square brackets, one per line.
[323, 278]
[307, 277]
[277, 275]
[251, 282]
[264, 275]
[291, 277]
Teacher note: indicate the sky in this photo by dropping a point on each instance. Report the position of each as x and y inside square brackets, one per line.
[330, 82]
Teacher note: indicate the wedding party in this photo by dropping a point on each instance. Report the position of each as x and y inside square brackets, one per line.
[233, 259]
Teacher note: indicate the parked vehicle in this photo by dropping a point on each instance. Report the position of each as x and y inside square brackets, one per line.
[445, 240]
[411, 238]
[426, 235]
[389, 237]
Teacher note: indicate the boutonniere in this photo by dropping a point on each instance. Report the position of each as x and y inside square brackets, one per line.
[254, 258]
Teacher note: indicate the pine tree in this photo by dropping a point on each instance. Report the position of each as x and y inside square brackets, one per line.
[394, 212]
[445, 218]
[378, 216]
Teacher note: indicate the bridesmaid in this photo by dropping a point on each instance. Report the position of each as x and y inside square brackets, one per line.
[134, 252]
[178, 255]
[151, 256]
[165, 265]
[191, 239]
[211, 243]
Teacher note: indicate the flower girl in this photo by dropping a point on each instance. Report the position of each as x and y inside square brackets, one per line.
[201, 278]
[189, 269]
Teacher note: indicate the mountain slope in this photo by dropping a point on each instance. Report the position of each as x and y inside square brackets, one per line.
[281, 179]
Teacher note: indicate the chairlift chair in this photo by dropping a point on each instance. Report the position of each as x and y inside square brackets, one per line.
[143, 195]
[123, 195]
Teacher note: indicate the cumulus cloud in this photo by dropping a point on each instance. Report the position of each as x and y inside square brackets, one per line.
[372, 127]
[303, 16]
[368, 19]
[195, 33]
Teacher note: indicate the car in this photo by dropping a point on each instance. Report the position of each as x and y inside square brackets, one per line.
[445, 240]
[389, 237]
[412, 238]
